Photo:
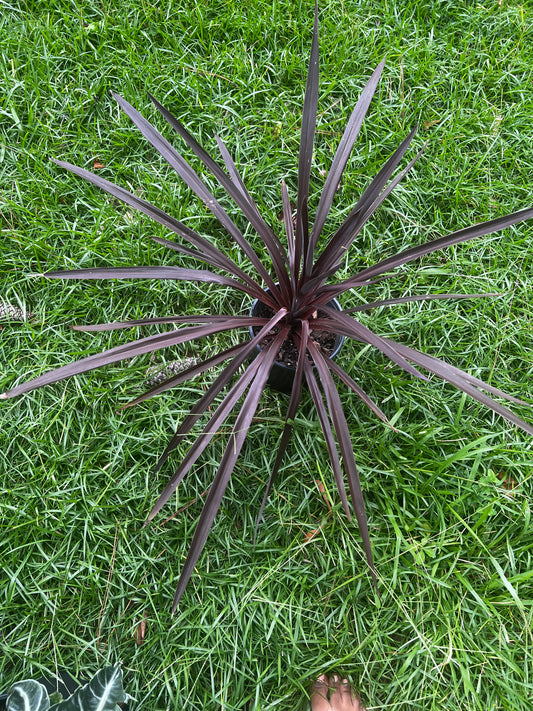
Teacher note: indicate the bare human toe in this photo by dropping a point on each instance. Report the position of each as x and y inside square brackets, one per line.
[334, 694]
[320, 694]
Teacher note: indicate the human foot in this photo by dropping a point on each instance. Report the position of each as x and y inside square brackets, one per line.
[334, 694]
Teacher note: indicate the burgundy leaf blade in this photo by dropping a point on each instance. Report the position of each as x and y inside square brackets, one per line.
[234, 186]
[227, 464]
[346, 325]
[410, 299]
[342, 154]
[129, 350]
[185, 375]
[191, 178]
[177, 273]
[296, 394]
[468, 233]
[465, 382]
[221, 381]
[238, 322]
[212, 255]
[222, 412]
[329, 438]
[307, 137]
[349, 229]
[345, 444]
[350, 382]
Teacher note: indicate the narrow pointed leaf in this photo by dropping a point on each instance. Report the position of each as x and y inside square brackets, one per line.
[289, 231]
[130, 350]
[409, 299]
[211, 429]
[350, 382]
[329, 438]
[296, 394]
[212, 255]
[238, 322]
[177, 273]
[343, 237]
[468, 233]
[233, 185]
[353, 230]
[345, 444]
[185, 375]
[347, 326]
[227, 464]
[190, 177]
[307, 138]
[465, 382]
[221, 381]
[275, 248]
[342, 154]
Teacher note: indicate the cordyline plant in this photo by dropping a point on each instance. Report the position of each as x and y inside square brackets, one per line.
[296, 308]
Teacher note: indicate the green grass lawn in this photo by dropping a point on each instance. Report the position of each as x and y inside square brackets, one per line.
[448, 496]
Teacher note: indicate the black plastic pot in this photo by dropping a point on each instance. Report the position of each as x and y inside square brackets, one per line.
[281, 376]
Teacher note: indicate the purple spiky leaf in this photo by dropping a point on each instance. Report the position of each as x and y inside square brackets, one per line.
[229, 459]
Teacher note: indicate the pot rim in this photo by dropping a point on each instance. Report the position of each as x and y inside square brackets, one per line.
[339, 339]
